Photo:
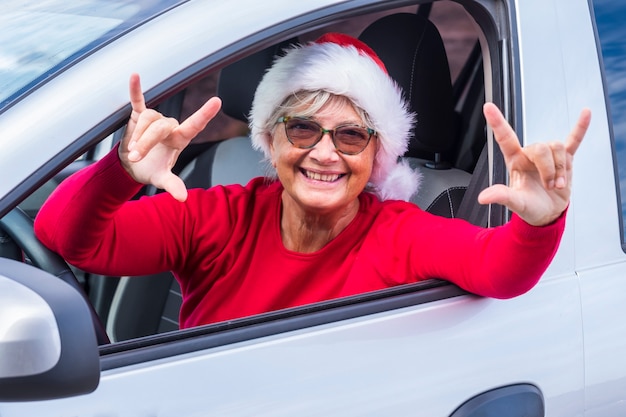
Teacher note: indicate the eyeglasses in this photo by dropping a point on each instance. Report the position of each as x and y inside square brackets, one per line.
[305, 134]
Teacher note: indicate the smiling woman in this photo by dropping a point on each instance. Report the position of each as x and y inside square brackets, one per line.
[322, 183]
[334, 222]
[355, 71]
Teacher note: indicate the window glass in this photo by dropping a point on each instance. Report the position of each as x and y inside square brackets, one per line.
[612, 35]
[39, 37]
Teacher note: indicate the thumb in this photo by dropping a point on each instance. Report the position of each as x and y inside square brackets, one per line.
[498, 194]
[173, 185]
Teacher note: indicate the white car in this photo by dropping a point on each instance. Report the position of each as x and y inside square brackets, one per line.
[79, 344]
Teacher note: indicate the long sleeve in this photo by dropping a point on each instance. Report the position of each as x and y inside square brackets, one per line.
[505, 261]
[499, 262]
[225, 247]
[90, 221]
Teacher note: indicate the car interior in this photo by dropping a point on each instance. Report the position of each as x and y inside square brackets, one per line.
[447, 147]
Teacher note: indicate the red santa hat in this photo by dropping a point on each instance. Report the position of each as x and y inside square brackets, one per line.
[344, 66]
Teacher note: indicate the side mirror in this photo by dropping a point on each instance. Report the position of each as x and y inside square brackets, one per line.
[48, 346]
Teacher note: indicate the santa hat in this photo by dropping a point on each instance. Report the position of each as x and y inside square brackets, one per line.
[344, 66]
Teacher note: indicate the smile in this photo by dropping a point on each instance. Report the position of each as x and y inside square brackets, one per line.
[321, 177]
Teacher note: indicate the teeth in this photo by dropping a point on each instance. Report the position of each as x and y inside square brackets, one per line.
[322, 177]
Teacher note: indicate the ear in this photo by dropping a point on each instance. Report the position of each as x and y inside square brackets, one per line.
[270, 141]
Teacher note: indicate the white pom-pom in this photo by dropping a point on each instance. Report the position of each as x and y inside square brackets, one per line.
[401, 183]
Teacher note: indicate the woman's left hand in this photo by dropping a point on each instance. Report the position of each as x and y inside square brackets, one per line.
[540, 174]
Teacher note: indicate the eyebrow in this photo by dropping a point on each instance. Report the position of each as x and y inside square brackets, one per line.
[342, 123]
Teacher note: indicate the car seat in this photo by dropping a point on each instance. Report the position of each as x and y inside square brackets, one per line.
[413, 52]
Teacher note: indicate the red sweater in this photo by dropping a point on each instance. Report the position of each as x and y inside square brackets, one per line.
[224, 245]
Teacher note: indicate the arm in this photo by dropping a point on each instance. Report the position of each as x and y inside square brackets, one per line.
[88, 219]
[507, 261]
[499, 262]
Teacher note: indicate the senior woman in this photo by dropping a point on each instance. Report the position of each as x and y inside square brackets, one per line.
[328, 221]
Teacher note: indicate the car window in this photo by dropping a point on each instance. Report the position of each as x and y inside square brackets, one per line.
[39, 38]
[117, 299]
[612, 37]
[201, 166]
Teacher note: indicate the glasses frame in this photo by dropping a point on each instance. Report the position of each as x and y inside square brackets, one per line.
[284, 119]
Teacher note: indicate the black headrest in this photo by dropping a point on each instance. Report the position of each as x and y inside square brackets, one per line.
[238, 81]
[414, 54]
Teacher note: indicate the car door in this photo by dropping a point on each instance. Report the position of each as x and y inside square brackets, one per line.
[425, 349]
[425, 359]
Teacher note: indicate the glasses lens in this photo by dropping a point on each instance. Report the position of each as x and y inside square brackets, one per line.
[302, 133]
[351, 139]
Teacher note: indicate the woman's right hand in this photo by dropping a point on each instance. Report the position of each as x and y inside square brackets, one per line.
[152, 142]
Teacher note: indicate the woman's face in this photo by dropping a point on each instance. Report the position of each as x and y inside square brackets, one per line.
[321, 180]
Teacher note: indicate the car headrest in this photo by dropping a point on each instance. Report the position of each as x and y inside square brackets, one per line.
[238, 81]
[413, 52]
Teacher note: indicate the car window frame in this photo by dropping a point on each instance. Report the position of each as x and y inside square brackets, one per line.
[612, 115]
[499, 48]
[180, 342]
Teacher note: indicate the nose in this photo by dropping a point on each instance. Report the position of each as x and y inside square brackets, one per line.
[324, 150]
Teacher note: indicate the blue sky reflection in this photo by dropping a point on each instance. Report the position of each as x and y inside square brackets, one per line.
[610, 18]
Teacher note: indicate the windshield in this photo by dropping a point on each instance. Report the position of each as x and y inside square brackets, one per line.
[41, 37]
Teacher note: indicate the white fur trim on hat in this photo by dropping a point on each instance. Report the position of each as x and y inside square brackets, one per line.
[344, 71]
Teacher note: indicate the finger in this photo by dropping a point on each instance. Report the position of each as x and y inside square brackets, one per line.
[155, 132]
[540, 154]
[173, 185]
[197, 121]
[499, 194]
[559, 156]
[144, 120]
[137, 99]
[138, 106]
[578, 132]
[502, 131]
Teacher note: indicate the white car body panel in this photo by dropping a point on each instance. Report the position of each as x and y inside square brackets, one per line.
[335, 369]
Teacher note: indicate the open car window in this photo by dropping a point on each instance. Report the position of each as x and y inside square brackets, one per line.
[118, 300]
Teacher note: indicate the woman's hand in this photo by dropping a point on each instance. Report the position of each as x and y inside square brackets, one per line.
[153, 142]
[540, 175]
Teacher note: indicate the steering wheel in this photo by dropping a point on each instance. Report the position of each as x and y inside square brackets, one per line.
[19, 227]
